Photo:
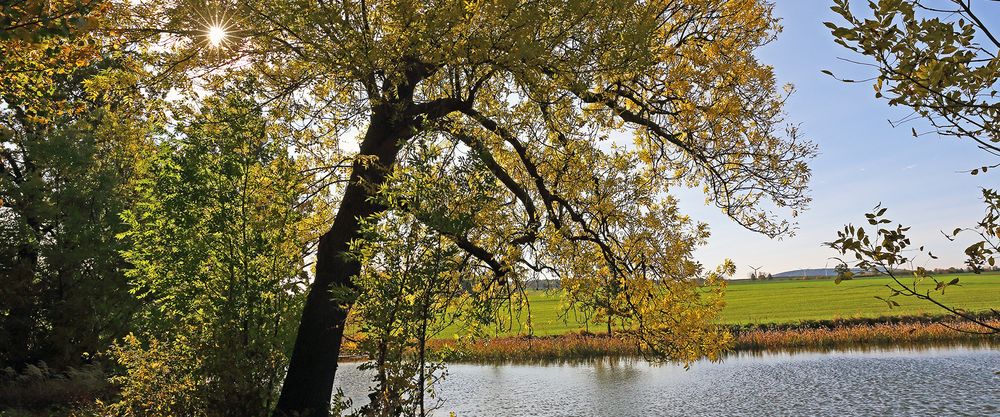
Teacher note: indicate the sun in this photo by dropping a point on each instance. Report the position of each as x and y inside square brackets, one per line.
[216, 35]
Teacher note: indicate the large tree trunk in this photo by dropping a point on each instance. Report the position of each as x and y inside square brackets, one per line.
[308, 384]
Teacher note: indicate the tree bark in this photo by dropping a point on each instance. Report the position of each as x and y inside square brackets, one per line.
[308, 385]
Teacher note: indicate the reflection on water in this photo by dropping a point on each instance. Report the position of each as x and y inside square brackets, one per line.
[984, 344]
[890, 381]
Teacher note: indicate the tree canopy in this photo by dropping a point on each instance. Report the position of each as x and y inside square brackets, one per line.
[548, 136]
[68, 147]
[421, 160]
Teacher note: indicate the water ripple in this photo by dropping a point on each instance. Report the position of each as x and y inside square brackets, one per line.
[931, 382]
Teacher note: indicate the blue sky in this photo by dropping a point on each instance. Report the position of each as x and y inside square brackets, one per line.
[863, 160]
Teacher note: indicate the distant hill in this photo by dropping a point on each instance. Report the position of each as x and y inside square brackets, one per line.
[817, 272]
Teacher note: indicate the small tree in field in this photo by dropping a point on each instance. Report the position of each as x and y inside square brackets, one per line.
[843, 272]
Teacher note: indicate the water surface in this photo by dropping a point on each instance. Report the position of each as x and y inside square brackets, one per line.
[929, 382]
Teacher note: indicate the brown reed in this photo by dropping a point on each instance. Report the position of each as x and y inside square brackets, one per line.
[817, 335]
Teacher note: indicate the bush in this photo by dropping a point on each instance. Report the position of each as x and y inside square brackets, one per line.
[161, 378]
[40, 389]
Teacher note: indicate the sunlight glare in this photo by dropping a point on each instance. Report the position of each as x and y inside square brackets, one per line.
[216, 34]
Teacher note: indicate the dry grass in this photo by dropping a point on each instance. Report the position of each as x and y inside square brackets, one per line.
[816, 335]
[39, 391]
[570, 346]
[877, 334]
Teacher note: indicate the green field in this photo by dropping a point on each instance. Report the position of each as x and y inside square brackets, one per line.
[789, 301]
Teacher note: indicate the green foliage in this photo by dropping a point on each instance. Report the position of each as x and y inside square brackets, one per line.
[36, 21]
[884, 251]
[217, 241]
[984, 253]
[68, 144]
[47, 47]
[409, 288]
[518, 103]
[60, 217]
[163, 378]
[938, 59]
[500, 114]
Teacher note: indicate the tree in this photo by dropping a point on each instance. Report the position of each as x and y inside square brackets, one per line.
[33, 22]
[408, 291]
[530, 101]
[599, 294]
[68, 142]
[939, 59]
[843, 272]
[218, 240]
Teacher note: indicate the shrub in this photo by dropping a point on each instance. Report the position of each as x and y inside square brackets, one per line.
[38, 388]
[161, 378]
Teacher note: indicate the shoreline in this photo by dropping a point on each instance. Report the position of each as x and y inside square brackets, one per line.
[824, 335]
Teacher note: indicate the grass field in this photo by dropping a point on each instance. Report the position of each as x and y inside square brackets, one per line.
[789, 301]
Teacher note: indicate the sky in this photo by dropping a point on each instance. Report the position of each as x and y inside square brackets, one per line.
[863, 161]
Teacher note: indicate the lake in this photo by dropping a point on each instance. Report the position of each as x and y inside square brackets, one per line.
[904, 381]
